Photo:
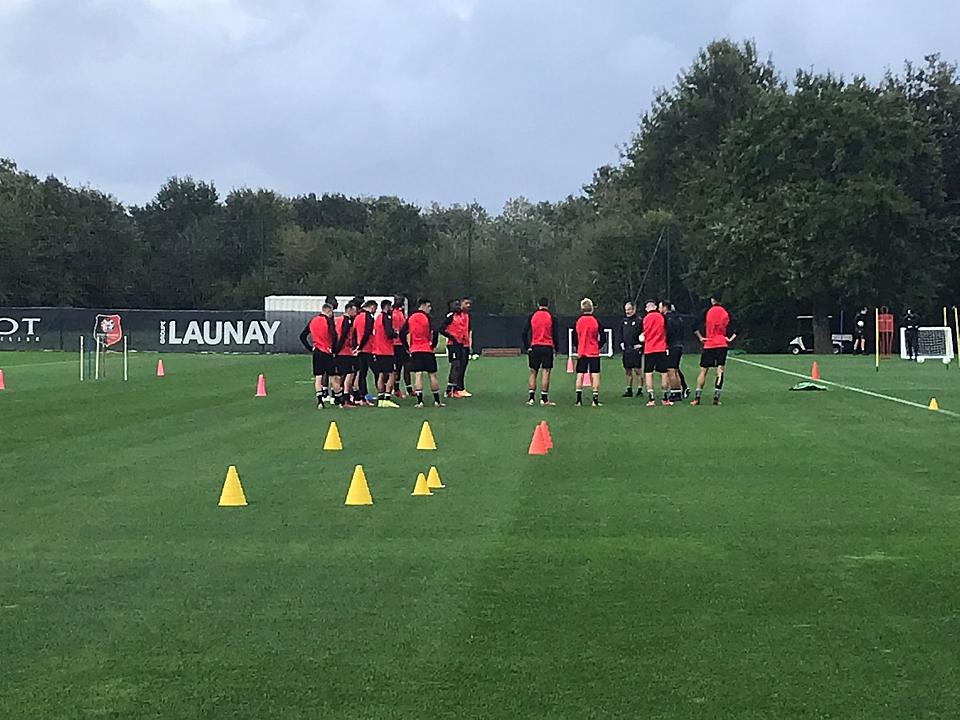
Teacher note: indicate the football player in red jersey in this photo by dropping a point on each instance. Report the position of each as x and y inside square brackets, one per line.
[713, 335]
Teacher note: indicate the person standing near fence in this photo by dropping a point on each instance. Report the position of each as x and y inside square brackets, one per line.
[362, 335]
[628, 339]
[911, 326]
[588, 338]
[713, 335]
[465, 305]
[319, 337]
[675, 331]
[540, 341]
[456, 328]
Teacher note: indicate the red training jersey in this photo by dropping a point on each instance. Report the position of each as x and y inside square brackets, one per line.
[398, 319]
[360, 323]
[320, 334]
[457, 328]
[541, 329]
[380, 343]
[715, 325]
[347, 347]
[419, 332]
[654, 333]
[587, 331]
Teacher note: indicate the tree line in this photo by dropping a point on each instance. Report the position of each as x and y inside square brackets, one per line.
[788, 197]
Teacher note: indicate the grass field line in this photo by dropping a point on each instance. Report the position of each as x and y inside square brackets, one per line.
[41, 364]
[851, 388]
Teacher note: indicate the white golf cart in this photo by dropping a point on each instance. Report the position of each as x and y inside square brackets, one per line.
[803, 342]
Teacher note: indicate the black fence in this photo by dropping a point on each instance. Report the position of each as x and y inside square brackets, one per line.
[255, 331]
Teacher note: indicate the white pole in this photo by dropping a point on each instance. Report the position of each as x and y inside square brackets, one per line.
[96, 360]
[81, 358]
[124, 358]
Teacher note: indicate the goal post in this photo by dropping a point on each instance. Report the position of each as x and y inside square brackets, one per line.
[933, 343]
[607, 349]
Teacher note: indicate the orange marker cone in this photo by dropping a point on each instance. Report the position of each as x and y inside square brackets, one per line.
[160, 372]
[261, 386]
[815, 371]
[2, 386]
[570, 364]
[538, 444]
[587, 380]
[546, 434]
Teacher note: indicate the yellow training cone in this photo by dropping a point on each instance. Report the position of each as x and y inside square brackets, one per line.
[333, 438]
[433, 479]
[426, 441]
[232, 493]
[421, 487]
[934, 405]
[359, 492]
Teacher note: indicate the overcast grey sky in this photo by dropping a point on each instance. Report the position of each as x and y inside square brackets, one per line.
[446, 100]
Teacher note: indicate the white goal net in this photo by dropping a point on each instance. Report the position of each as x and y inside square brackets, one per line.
[933, 343]
[605, 351]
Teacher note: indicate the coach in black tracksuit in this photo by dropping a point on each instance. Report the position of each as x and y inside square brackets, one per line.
[628, 340]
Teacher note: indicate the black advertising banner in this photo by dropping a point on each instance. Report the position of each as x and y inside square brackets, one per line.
[252, 331]
[155, 330]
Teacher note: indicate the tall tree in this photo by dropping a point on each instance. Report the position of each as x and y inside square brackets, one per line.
[819, 195]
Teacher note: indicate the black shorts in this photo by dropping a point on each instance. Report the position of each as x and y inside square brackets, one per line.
[423, 362]
[345, 365]
[400, 358]
[382, 364]
[673, 357]
[655, 362]
[632, 359]
[713, 357]
[322, 363]
[540, 357]
[588, 365]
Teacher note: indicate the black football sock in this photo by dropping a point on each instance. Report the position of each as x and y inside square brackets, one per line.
[419, 397]
[596, 398]
[319, 397]
[579, 396]
[533, 394]
[436, 397]
[697, 393]
[409, 389]
[650, 395]
[544, 397]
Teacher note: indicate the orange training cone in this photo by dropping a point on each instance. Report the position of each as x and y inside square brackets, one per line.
[160, 372]
[2, 386]
[261, 386]
[815, 371]
[570, 364]
[546, 434]
[587, 380]
[538, 444]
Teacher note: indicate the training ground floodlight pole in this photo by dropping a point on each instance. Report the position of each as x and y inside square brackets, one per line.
[81, 358]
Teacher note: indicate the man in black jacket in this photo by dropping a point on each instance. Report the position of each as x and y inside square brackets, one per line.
[675, 331]
[628, 340]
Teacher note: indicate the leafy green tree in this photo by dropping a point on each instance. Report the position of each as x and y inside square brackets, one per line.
[828, 194]
[181, 231]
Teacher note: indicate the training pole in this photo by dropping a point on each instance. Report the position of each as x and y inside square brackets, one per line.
[956, 327]
[876, 338]
[124, 358]
[81, 358]
[96, 360]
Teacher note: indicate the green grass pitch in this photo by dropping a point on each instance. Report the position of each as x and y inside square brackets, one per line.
[786, 555]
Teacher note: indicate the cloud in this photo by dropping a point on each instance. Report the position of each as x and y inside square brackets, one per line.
[446, 100]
